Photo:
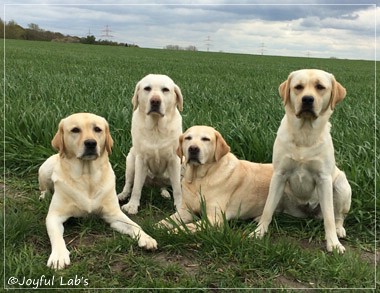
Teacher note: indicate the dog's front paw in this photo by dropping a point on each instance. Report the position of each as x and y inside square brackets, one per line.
[130, 208]
[163, 224]
[341, 232]
[335, 246]
[165, 193]
[59, 260]
[123, 195]
[259, 232]
[42, 195]
[147, 242]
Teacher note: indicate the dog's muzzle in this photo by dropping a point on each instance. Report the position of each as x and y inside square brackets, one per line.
[307, 108]
[90, 150]
[155, 107]
[193, 155]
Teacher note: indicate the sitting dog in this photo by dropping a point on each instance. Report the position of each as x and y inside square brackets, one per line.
[303, 154]
[229, 187]
[83, 182]
[156, 126]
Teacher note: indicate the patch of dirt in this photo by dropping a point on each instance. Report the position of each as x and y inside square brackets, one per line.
[314, 244]
[287, 283]
[369, 257]
[189, 265]
[76, 239]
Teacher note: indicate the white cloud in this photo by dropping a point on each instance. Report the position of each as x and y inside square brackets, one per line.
[343, 31]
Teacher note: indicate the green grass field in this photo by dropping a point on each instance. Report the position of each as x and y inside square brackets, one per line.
[236, 94]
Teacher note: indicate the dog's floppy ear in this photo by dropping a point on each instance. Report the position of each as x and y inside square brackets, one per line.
[284, 90]
[109, 140]
[222, 148]
[179, 149]
[178, 93]
[337, 94]
[58, 140]
[135, 98]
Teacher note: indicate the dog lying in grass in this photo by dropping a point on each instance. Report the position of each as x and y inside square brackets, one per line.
[83, 182]
[228, 187]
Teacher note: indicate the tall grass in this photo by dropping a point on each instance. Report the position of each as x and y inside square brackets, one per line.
[236, 94]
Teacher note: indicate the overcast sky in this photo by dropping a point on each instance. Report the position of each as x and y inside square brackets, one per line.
[317, 28]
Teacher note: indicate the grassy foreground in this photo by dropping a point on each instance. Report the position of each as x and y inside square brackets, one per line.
[236, 94]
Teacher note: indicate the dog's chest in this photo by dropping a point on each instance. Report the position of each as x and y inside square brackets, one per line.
[302, 182]
[156, 150]
[157, 163]
[303, 173]
[156, 139]
[84, 193]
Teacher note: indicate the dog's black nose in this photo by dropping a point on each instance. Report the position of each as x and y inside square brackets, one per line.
[193, 150]
[307, 100]
[194, 153]
[155, 105]
[155, 102]
[90, 143]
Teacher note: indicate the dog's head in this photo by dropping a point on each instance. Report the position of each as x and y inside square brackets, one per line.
[308, 93]
[157, 95]
[201, 145]
[83, 136]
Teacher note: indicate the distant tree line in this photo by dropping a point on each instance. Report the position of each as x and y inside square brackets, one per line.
[35, 33]
[176, 47]
[92, 40]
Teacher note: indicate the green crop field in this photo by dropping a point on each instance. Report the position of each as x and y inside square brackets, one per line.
[236, 94]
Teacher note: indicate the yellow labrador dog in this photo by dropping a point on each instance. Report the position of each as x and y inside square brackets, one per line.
[156, 126]
[83, 182]
[303, 154]
[228, 186]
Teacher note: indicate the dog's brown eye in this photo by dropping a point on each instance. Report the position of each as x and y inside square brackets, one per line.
[320, 87]
[165, 90]
[299, 87]
[205, 139]
[147, 88]
[188, 138]
[75, 130]
[97, 129]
